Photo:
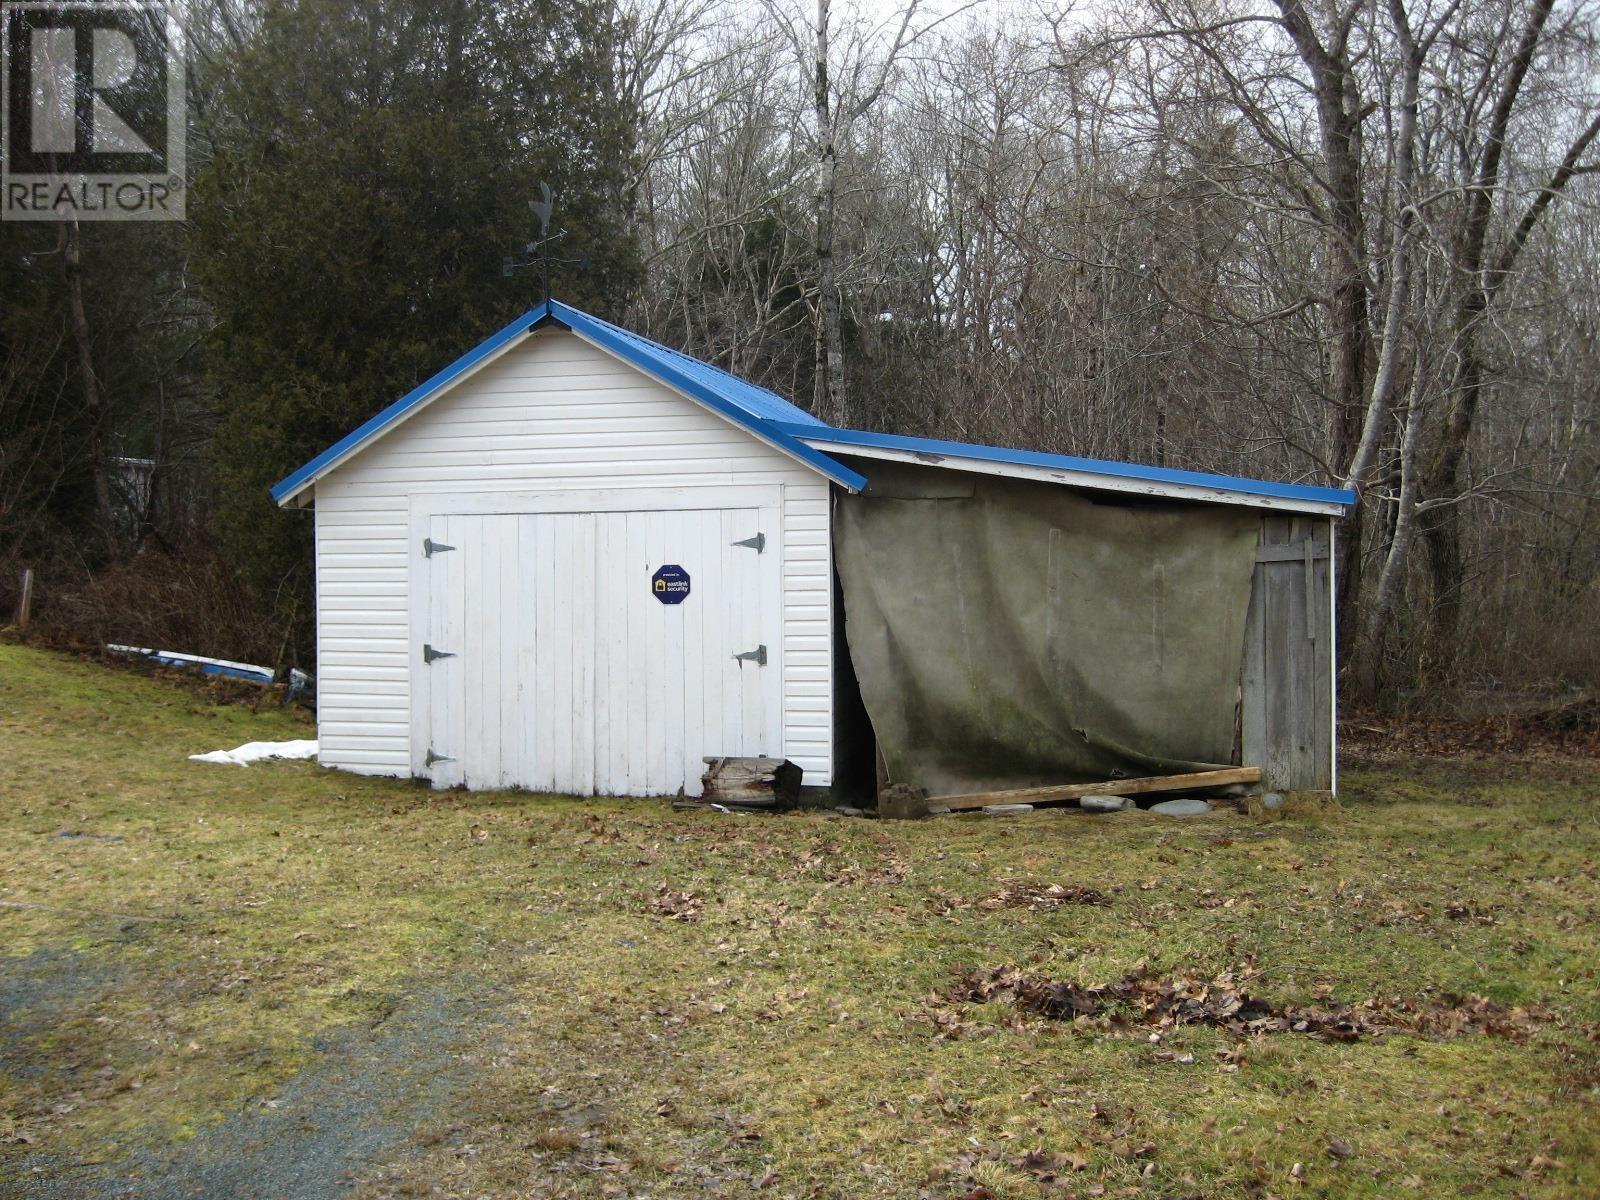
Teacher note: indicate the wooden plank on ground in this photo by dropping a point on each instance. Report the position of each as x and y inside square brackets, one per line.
[1109, 787]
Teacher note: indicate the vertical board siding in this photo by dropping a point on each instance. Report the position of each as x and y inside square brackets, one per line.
[553, 414]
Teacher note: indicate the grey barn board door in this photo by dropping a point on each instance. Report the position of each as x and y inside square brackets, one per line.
[1286, 723]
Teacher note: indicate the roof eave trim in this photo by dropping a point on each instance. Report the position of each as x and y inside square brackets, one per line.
[1217, 489]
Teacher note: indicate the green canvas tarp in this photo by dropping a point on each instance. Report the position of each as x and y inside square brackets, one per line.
[1008, 633]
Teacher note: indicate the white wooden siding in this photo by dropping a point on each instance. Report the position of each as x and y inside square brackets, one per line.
[554, 413]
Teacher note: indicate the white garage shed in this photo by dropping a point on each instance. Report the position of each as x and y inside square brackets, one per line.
[578, 561]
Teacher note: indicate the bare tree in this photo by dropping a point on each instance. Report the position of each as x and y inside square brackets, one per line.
[1484, 263]
[1210, 235]
[847, 66]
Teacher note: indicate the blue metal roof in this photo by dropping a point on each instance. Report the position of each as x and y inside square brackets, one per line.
[770, 417]
[762, 412]
[845, 438]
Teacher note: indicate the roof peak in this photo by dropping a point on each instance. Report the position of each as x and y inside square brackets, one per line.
[760, 411]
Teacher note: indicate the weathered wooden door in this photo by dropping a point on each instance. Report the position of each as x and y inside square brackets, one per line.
[593, 652]
[1286, 724]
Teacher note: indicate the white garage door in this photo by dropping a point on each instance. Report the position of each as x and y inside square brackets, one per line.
[593, 652]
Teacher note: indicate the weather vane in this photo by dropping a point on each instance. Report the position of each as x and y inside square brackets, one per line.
[537, 252]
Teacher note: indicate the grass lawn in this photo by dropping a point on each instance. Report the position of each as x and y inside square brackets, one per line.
[286, 981]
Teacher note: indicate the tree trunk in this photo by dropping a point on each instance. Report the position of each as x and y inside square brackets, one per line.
[1375, 421]
[828, 388]
[1348, 326]
[1442, 528]
[93, 400]
[1391, 580]
[1377, 407]
[455, 87]
[1334, 86]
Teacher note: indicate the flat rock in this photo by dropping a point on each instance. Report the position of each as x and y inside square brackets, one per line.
[1106, 803]
[900, 802]
[1186, 806]
[844, 810]
[1007, 810]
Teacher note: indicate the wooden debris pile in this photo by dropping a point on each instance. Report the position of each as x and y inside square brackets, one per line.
[1074, 793]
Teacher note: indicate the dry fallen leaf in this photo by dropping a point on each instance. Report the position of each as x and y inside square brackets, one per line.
[1224, 1001]
[1044, 898]
[679, 906]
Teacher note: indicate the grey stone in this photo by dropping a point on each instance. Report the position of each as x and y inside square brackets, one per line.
[1106, 803]
[1272, 800]
[938, 810]
[1007, 810]
[844, 810]
[901, 802]
[1186, 806]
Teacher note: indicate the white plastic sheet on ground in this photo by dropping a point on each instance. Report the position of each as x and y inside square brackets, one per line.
[250, 752]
